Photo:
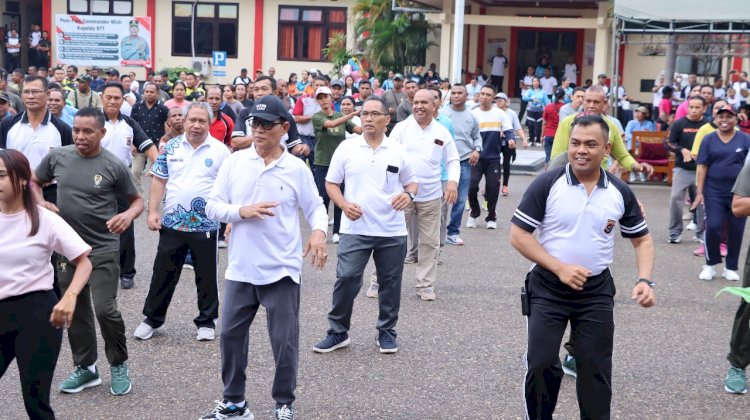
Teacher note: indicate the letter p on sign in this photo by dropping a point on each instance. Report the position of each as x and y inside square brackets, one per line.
[220, 58]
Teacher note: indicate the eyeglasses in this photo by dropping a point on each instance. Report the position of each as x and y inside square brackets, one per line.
[267, 125]
[373, 114]
[32, 92]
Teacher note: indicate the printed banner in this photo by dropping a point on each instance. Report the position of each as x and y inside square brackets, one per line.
[103, 41]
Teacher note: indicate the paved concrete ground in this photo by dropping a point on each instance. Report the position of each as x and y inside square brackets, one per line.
[460, 356]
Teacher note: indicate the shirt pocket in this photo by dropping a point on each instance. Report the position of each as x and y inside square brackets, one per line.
[437, 152]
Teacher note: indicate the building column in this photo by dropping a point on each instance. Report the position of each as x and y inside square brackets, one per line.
[446, 35]
[602, 41]
[473, 42]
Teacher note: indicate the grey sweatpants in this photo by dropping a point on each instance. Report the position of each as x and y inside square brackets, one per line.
[682, 180]
[353, 253]
[241, 303]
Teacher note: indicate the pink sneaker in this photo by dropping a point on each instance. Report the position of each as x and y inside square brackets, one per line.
[700, 251]
[723, 249]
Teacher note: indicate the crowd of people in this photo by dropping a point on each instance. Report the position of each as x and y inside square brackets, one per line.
[397, 161]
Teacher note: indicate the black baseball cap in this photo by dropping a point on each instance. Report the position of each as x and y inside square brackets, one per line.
[4, 96]
[270, 108]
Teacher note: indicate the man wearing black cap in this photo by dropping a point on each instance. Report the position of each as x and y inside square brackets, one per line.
[113, 75]
[84, 96]
[393, 98]
[261, 190]
[134, 47]
[5, 109]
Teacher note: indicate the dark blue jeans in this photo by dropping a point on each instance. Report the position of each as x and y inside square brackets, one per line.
[457, 211]
[548, 140]
[319, 173]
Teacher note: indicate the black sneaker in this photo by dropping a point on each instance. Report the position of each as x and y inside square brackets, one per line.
[284, 413]
[333, 341]
[226, 410]
[387, 343]
[127, 282]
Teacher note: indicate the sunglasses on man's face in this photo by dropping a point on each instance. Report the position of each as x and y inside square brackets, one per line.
[267, 125]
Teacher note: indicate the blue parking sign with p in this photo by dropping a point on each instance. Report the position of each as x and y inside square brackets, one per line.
[220, 58]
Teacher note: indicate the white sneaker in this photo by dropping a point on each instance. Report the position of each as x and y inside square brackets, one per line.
[145, 331]
[206, 334]
[492, 224]
[708, 273]
[691, 226]
[330, 222]
[730, 275]
[336, 238]
[223, 244]
[471, 222]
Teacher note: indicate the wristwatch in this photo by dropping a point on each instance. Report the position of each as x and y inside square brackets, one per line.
[647, 281]
[410, 194]
[478, 149]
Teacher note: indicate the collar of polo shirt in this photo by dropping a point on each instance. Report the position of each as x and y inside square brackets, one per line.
[253, 153]
[45, 120]
[572, 180]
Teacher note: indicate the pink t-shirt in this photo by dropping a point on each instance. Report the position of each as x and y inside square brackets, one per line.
[681, 110]
[25, 266]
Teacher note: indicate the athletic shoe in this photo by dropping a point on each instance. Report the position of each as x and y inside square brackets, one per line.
[505, 192]
[284, 413]
[386, 343]
[80, 379]
[736, 383]
[426, 294]
[227, 410]
[454, 240]
[698, 238]
[708, 273]
[569, 366]
[205, 334]
[145, 331]
[492, 224]
[120, 384]
[188, 266]
[223, 243]
[330, 222]
[410, 259]
[127, 282]
[730, 275]
[691, 226]
[700, 251]
[723, 249]
[335, 238]
[631, 177]
[372, 291]
[471, 222]
[333, 341]
[676, 240]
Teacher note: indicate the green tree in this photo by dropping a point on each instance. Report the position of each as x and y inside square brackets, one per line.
[391, 40]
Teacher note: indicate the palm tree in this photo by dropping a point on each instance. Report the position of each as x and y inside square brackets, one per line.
[390, 40]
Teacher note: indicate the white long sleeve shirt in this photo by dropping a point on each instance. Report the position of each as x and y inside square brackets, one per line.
[263, 251]
[427, 147]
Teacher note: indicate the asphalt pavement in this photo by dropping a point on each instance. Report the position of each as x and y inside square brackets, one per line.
[459, 357]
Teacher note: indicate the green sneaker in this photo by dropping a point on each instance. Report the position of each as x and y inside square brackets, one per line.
[80, 379]
[569, 366]
[735, 382]
[120, 379]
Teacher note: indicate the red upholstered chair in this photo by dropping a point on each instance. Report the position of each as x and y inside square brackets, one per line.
[648, 147]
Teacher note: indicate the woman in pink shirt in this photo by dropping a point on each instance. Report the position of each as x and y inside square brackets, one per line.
[31, 313]
[178, 101]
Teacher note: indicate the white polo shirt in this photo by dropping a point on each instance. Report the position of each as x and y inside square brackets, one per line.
[190, 174]
[427, 147]
[17, 133]
[575, 227]
[263, 251]
[123, 133]
[373, 178]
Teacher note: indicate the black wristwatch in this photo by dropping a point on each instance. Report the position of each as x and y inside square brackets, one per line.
[410, 194]
[647, 281]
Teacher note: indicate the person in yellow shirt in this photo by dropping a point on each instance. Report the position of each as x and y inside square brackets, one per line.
[594, 101]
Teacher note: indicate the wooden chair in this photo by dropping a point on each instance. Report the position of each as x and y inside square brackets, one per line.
[648, 147]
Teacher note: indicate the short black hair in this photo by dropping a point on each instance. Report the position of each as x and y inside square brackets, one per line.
[697, 98]
[94, 113]
[271, 79]
[33, 77]
[578, 89]
[383, 105]
[489, 86]
[586, 119]
[124, 76]
[409, 81]
[116, 85]
[365, 82]
[74, 67]
[435, 89]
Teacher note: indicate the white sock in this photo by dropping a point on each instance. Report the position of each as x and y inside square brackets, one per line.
[91, 368]
[239, 404]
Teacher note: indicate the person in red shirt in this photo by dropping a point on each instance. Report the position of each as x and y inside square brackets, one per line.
[550, 119]
[222, 125]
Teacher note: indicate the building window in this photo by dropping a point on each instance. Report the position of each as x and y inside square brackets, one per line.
[101, 7]
[304, 31]
[215, 28]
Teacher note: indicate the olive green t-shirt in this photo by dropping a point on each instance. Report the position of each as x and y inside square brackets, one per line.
[328, 139]
[87, 190]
